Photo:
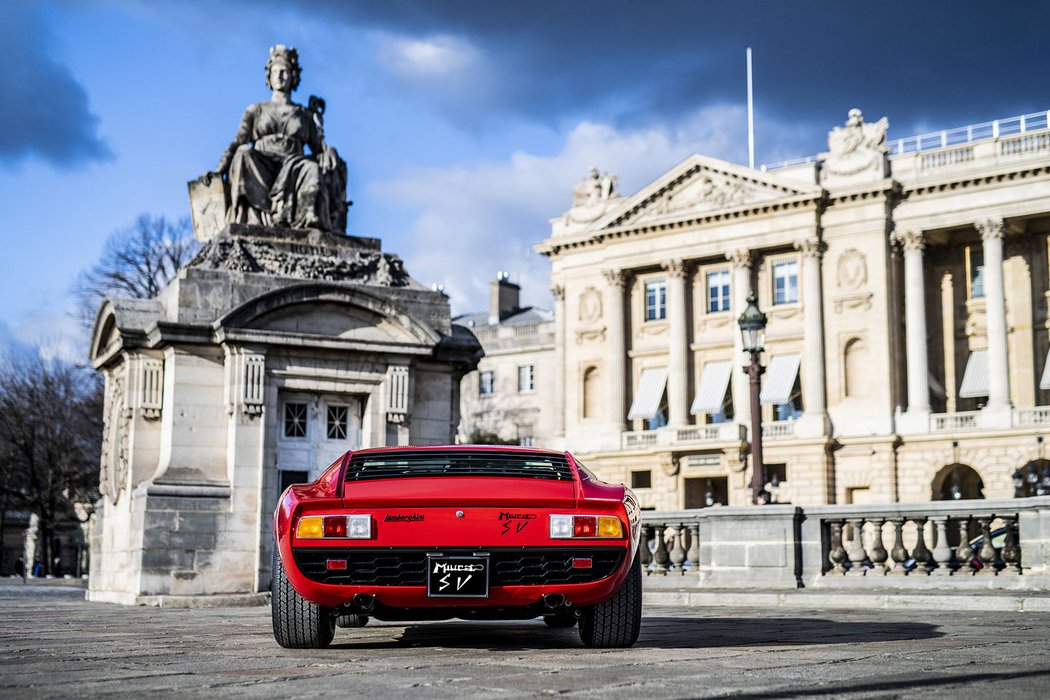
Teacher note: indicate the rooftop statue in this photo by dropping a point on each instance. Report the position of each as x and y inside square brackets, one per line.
[265, 175]
[856, 149]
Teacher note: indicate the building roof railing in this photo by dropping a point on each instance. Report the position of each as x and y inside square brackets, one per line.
[1036, 121]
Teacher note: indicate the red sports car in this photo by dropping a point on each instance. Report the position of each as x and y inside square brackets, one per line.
[479, 533]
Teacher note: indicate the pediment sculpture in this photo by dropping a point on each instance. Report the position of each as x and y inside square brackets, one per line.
[856, 149]
[591, 196]
[266, 176]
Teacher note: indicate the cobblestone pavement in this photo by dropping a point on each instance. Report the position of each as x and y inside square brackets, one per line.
[53, 644]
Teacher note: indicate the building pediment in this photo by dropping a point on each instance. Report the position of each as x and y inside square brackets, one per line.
[702, 186]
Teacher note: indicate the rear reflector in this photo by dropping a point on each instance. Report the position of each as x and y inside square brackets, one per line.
[581, 563]
[336, 564]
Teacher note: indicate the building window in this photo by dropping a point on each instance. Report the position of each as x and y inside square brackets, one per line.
[525, 437]
[975, 270]
[487, 383]
[337, 417]
[591, 389]
[642, 479]
[791, 410]
[525, 377]
[289, 477]
[785, 282]
[656, 299]
[717, 291]
[295, 420]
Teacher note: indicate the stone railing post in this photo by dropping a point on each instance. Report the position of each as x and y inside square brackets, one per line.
[942, 553]
[878, 553]
[964, 552]
[837, 555]
[898, 553]
[920, 553]
[693, 554]
[986, 554]
[856, 547]
[1011, 552]
[677, 554]
[645, 555]
[660, 556]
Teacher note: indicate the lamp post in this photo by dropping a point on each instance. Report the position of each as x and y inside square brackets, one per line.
[753, 330]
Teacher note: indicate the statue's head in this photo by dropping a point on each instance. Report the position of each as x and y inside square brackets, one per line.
[285, 57]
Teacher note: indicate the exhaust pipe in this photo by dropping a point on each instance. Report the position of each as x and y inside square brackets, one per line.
[554, 600]
[365, 601]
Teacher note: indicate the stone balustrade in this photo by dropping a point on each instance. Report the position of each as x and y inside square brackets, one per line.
[1003, 544]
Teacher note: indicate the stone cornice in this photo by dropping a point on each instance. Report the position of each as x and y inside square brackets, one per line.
[552, 246]
[973, 180]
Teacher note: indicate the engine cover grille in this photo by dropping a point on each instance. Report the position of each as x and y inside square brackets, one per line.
[533, 566]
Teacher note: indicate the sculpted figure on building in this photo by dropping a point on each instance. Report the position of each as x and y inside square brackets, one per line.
[269, 178]
[856, 148]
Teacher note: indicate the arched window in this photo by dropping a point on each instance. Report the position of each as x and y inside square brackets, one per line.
[957, 482]
[857, 373]
[591, 388]
[1033, 479]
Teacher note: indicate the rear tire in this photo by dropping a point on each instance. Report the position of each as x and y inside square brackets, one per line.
[616, 622]
[346, 621]
[297, 623]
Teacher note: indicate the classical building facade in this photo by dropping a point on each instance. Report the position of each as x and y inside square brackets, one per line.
[906, 286]
[508, 396]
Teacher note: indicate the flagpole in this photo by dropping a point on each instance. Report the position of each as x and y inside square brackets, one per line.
[750, 116]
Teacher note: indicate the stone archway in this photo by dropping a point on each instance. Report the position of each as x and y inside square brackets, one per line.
[1033, 479]
[957, 482]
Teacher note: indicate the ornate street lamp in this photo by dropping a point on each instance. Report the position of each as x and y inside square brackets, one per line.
[753, 330]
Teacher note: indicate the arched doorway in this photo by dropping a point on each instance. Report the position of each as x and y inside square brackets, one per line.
[1033, 479]
[957, 482]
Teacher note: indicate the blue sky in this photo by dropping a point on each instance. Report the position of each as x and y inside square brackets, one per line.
[465, 123]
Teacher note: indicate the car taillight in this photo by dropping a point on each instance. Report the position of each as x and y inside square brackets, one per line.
[585, 527]
[315, 527]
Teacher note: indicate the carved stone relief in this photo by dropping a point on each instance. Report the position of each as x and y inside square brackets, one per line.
[856, 149]
[590, 305]
[852, 280]
[708, 192]
[117, 420]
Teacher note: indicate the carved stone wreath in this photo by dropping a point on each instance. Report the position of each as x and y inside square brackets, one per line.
[114, 467]
[852, 269]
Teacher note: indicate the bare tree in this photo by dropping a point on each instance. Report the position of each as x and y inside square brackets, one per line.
[136, 262]
[50, 439]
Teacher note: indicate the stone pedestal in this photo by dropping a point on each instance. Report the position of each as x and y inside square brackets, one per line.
[267, 357]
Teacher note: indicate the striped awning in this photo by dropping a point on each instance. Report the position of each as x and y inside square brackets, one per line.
[713, 384]
[1044, 382]
[650, 391]
[975, 378]
[779, 379]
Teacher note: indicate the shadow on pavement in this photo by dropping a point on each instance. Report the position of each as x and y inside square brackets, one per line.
[971, 680]
[678, 633]
[657, 632]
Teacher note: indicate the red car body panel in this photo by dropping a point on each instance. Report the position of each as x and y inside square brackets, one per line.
[497, 514]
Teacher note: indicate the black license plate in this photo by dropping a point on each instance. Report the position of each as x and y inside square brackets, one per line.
[457, 577]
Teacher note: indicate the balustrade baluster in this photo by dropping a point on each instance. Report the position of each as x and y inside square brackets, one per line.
[920, 553]
[986, 554]
[677, 555]
[660, 556]
[1011, 552]
[645, 555]
[898, 553]
[942, 553]
[878, 553]
[964, 552]
[693, 555]
[837, 553]
[856, 547]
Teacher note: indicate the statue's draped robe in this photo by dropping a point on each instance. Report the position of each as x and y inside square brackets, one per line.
[272, 181]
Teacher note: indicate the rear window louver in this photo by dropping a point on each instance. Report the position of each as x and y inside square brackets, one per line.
[459, 463]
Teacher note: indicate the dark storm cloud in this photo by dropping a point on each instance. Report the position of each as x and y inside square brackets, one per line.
[45, 110]
[921, 63]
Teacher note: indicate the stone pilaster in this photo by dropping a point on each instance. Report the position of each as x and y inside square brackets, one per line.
[742, 261]
[558, 290]
[917, 417]
[996, 413]
[617, 350]
[678, 362]
[814, 421]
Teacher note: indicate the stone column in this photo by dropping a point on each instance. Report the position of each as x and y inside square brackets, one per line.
[742, 262]
[916, 419]
[996, 412]
[814, 421]
[558, 378]
[617, 350]
[678, 358]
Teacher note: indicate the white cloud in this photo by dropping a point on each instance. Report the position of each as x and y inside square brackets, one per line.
[477, 219]
[433, 58]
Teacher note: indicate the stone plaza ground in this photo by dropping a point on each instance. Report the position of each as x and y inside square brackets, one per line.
[54, 644]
